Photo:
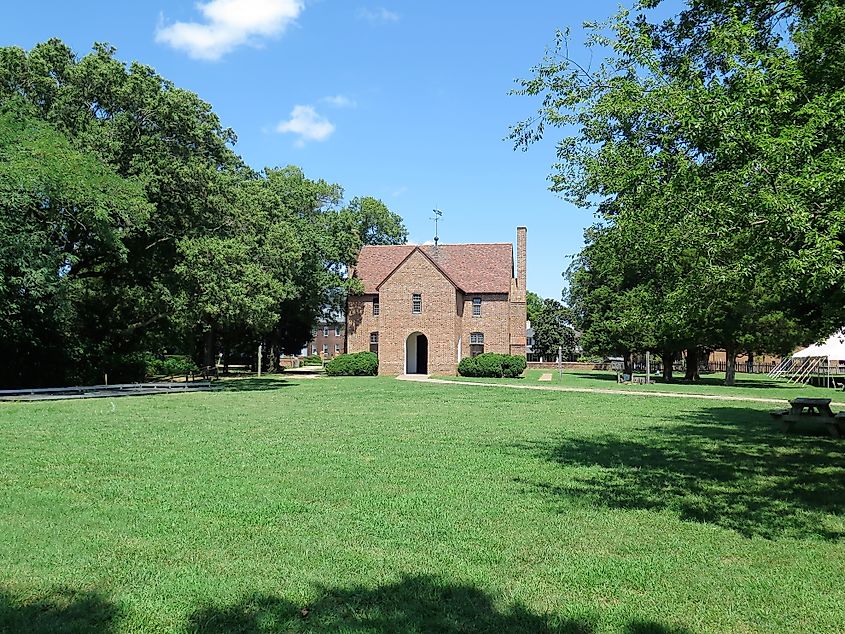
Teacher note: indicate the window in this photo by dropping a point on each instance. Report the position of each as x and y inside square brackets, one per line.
[416, 304]
[476, 307]
[337, 331]
[325, 331]
[336, 348]
[376, 307]
[313, 349]
[374, 342]
[476, 343]
[325, 348]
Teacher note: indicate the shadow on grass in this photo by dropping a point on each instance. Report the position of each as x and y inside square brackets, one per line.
[252, 385]
[63, 610]
[724, 465]
[415, 604]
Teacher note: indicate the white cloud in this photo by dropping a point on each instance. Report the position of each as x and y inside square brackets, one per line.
[340, 101]
[305, 122]
[229, 24]
[379, 14]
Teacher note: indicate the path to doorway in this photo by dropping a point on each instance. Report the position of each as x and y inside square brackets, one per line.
[595, 390]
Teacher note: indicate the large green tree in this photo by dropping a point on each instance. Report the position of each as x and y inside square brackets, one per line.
[711, 148]
[553, 331]
[130, 225]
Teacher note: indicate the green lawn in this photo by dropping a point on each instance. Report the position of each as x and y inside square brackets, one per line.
[375, 505]
[747, 385]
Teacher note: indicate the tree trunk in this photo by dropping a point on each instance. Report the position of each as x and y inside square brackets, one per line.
[730, 367]
[668, 359]
[208, 348]
[628, 367]
[691, 373]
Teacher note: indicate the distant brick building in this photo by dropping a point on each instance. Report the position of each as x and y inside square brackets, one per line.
[426, 307]
[328, 340]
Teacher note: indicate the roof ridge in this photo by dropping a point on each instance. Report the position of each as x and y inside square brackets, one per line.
[467, 244]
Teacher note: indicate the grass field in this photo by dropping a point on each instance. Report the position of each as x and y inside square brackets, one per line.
[747, 385]
[375, 505]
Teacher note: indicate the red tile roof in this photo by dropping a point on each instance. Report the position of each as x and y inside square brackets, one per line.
[474, 268]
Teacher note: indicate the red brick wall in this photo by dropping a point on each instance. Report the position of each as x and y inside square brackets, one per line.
[436, 322]
[494, 322]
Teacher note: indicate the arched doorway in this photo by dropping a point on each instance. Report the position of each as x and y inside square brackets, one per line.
[416, 354]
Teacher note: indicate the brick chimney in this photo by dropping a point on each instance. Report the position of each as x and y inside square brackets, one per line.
[520, 259]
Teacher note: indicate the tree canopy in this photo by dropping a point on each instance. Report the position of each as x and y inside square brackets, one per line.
[710, 145]
[129, 226]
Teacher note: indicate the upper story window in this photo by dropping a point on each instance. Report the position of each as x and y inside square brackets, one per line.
[374, 342]
[416, 303]
[325, 331]
[337, 330]
[376, 307]
[476, 307]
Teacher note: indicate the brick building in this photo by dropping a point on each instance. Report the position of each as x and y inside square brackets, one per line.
[328, 340]
[425, 307]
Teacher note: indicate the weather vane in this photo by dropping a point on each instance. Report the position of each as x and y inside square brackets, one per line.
[437, 216]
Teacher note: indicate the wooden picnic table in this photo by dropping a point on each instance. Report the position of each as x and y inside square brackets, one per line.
[816, 410]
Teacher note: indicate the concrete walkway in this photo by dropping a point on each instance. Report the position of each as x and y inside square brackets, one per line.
[595, 390]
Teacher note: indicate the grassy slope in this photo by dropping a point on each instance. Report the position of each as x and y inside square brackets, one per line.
[747, 385]
[380, 505]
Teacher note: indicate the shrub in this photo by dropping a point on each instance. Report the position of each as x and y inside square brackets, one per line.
[356, 364]
[314, 359]
[490, 364]
[171, 365]
[513, 365]
[468, 367]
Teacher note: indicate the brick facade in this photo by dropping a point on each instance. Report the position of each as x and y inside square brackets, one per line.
[328, 340]
[447, 279]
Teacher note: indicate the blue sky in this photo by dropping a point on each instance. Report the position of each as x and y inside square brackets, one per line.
[404, 101]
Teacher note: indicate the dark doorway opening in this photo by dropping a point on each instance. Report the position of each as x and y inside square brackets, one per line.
[422, 354]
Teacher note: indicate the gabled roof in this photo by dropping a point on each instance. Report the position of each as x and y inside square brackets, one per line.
[473, 268]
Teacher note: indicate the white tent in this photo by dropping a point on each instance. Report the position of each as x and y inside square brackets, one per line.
[814, 361]
[833, 348]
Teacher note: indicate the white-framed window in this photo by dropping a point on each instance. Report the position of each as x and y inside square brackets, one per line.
[336, 348]
[476, 307]
[476, 343]
[337, 331]
[416, 303]
[376, 306]
[325, 348]
[325, 331]
[313, 349]
[374, 342]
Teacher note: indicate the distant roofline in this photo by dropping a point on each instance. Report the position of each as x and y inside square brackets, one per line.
[429, 244]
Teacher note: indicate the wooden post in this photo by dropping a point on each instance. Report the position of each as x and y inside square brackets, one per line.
[259, 359]
[647, 366]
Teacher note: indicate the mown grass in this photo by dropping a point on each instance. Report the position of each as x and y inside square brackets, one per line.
[747, 385]
[374, 505]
